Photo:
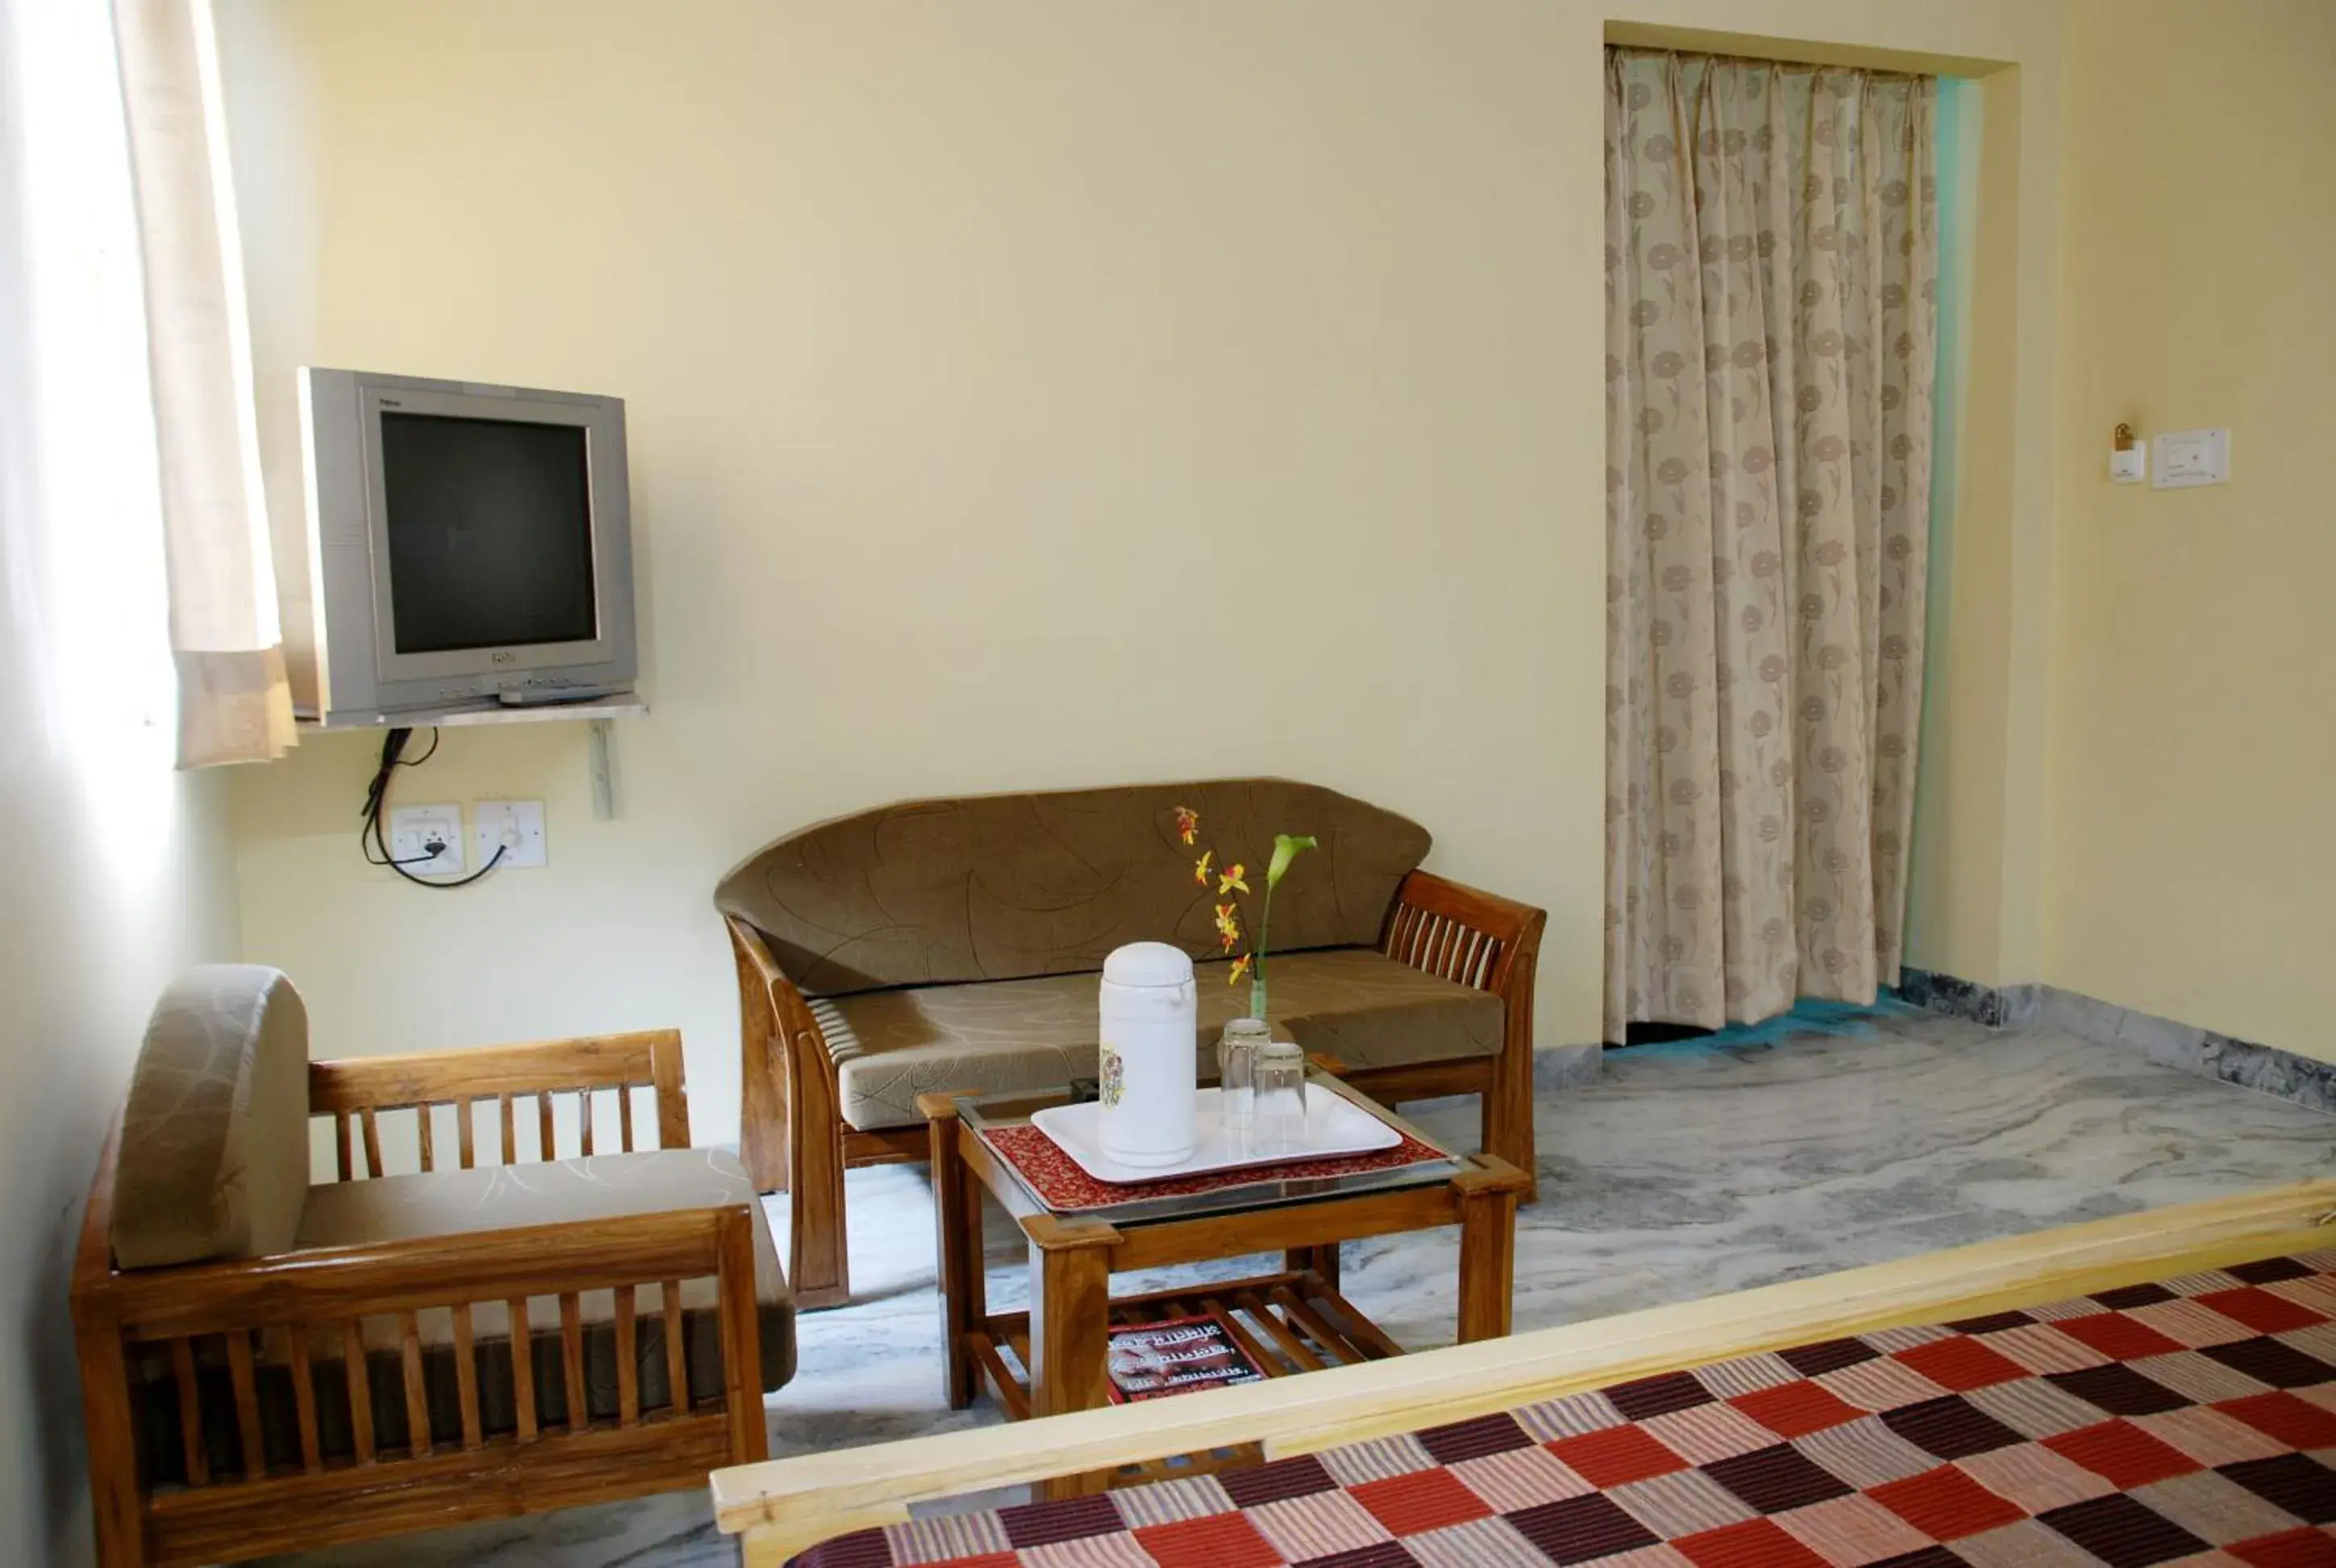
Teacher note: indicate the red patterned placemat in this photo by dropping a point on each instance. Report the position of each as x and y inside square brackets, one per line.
[1066, 1189]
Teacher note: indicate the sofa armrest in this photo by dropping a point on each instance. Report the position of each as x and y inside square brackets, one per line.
[1465, 934]
[1492, 944]
[760, 979]
[333, 1284]
[787, 1078]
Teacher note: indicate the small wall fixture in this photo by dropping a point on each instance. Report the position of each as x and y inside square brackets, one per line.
[2182, 458]
[2128, 459]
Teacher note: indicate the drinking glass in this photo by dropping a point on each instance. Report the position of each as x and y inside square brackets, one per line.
[1237, 1052]
[1280, 1111]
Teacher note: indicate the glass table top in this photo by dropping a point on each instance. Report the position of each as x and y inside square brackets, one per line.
[1256, 1188]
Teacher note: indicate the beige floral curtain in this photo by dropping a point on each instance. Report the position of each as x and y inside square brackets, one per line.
[1771, 258]
[234, 702]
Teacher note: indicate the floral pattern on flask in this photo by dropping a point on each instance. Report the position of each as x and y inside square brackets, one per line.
[1113, 1085]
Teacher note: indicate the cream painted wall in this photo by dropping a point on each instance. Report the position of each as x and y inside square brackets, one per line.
[2192, 851]
[986, 366]
[119, 870]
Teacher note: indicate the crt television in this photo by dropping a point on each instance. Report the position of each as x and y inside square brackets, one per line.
[470, 546]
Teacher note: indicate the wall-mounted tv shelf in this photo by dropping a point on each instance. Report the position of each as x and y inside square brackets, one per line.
[600, 714]
[629, 706]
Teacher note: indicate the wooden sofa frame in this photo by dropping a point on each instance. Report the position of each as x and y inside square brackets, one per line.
[793, 1138]
[781, 1507]
[317, 1298]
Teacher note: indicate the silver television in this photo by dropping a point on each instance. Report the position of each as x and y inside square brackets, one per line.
[470, 546]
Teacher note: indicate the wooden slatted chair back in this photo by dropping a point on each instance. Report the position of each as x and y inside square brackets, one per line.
[495, 1100]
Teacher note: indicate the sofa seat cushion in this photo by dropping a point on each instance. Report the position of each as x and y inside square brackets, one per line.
[1004, 1036]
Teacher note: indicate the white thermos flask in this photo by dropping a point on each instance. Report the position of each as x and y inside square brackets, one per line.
[1149, 1017]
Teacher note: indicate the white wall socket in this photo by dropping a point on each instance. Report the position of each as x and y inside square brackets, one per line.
[414, 830]
[515, 827]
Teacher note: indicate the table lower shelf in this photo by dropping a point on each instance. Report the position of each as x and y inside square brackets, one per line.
[1293, 1321]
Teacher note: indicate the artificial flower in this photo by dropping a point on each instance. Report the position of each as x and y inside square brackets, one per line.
[1231, 879]
[1188, 823]
[1201, 868]
[1285, 850]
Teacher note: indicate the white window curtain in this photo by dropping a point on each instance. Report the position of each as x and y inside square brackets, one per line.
[234, 704]
[1771, 254]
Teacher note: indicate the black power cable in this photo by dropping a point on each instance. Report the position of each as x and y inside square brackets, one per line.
[376, 802]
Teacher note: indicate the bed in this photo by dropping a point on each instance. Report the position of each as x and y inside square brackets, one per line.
[2158, 1387]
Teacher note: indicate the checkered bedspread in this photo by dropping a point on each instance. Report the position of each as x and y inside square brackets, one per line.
[2192, 1421]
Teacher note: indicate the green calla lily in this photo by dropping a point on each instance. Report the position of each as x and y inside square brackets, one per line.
[1286, 848]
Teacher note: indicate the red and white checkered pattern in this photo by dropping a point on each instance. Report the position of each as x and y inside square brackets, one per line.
[2190, 1422]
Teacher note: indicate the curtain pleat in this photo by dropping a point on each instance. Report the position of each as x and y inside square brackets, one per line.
[1770, 261]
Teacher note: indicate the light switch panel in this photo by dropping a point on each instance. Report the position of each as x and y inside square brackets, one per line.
[2180, 459]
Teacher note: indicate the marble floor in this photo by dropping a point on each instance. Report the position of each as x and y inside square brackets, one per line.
[1685, 1171]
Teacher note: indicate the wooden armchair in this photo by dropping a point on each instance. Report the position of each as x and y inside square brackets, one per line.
[794, 1136]
[350, 1371]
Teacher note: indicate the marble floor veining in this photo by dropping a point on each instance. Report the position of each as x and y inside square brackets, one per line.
[1685, 1171]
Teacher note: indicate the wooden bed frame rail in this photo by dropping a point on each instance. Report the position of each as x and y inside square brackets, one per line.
[781, 1507]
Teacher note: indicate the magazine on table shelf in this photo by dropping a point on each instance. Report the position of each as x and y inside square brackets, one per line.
[1148, 1360]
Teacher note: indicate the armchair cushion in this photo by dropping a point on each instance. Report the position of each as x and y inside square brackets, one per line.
[594, 1187]
[1004, 1035]
[214, 1150]
[448, 1203]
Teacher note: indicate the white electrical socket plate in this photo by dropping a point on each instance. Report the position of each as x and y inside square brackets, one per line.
[515, 827]
[414, 829]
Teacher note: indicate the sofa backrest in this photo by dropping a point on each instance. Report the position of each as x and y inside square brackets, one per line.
[213, 1158]
[1003, 887]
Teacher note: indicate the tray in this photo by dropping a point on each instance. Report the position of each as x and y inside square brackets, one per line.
[1335, 1126]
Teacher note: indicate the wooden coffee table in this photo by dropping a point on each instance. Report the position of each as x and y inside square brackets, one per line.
[1051, 1359]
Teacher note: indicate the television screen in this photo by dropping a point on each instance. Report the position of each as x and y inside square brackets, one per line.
[489, 529]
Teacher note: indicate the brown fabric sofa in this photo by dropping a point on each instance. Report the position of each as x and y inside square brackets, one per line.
[955, 944]
[268, 1365]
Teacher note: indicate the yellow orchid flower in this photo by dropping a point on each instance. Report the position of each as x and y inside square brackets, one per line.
[1229, 925]
[1188, 823]
[1201, 868]
[1241, 969]
[1231, 879]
